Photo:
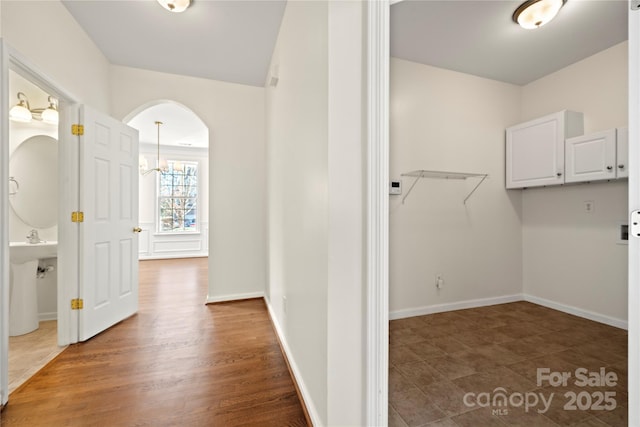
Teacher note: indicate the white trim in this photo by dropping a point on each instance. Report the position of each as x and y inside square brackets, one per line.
[377, 164]
[173, 256]
[4, 225]
[460, 305]
[234, 297]
[633, 388]
[306, 396]
[586, 314]
[43, 317]
[483, 302]
[13, 60]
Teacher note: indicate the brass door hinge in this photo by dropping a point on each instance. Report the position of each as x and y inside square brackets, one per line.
[77, 304]
[77, 216]
[77, 129]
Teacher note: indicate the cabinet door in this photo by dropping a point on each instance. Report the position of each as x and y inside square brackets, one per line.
[622, 152]
[535, 152]
[591, 157]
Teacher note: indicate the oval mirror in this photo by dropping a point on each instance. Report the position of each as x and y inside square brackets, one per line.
[34, 168]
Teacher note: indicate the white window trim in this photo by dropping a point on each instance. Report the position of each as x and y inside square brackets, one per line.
[158, 232]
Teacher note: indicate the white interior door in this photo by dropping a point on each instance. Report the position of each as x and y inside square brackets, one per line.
[108, 256]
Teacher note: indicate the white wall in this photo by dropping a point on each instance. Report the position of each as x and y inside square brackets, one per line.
[448, 121]
[154, 245]
[316, 201]
[234, 115]
[539, 242]
[571, 257]
[47, 35]
[346, 329]
[297, 126]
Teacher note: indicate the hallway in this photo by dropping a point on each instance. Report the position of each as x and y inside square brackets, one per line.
[178, 362]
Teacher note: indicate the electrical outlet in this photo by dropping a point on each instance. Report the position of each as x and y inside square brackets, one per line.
[439, 281]
[589, 206]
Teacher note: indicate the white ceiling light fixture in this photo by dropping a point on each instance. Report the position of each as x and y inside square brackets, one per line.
[534, 14]
[22, 111]
[175, 5]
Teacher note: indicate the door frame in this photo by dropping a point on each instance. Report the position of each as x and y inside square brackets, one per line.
[634, 204]
[11, 59]
[377, 289]
[377, 211]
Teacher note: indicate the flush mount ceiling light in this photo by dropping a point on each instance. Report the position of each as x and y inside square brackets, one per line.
[535, 13]
[22, 111]
[175, 5]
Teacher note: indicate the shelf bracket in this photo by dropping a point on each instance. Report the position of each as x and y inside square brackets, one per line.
[411, 188]
[474, 189]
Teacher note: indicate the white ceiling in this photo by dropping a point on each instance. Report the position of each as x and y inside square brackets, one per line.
[180, 127]
[480, 38]
[226, 40]
[233, 40]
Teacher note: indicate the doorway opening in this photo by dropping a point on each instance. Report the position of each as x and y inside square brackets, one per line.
[174, 181]
[33, 217]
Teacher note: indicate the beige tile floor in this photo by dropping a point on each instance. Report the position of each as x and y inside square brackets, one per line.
[30, 352]
[437, 360]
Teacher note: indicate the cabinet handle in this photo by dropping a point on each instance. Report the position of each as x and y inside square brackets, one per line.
[620, 166]
[609, 168]
[559, 174]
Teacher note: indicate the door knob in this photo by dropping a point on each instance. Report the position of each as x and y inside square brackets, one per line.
[137, 230]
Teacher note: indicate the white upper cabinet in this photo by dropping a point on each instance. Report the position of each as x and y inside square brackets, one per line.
[622, 152]
[597, 156]
[591, 157]
[535, 150]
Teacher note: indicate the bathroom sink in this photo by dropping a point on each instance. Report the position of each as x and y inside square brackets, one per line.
[21, 252]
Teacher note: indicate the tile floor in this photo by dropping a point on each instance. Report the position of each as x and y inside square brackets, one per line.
[454, 369]
[30, 352]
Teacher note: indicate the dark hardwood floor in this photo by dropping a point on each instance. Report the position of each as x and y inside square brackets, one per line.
[178, 362]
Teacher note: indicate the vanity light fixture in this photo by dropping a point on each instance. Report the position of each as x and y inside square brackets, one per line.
[534, 14]
[50, 114]
[143, 163]
[175, 5]
[22, 111]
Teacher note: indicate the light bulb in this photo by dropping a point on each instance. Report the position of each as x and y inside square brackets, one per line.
[534, 14]
[50, 116]
[20, 113]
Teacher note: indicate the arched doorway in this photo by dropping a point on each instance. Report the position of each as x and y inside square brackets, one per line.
[174, 181]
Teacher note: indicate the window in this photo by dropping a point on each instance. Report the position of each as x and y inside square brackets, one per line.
[178, 197]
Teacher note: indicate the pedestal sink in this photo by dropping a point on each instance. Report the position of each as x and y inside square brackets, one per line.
[23, 301]
[21, 252]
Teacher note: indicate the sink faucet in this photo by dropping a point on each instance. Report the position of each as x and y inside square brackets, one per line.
[33, 237]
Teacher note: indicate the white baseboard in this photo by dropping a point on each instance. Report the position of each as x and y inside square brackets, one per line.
[439, 308]
[596, 317]
[308, 402]
[172, 256]
[234, 297]
[42, 317]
